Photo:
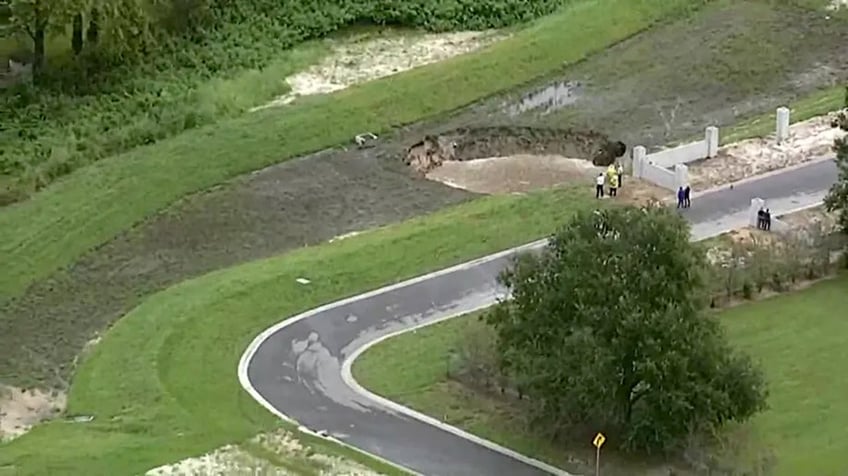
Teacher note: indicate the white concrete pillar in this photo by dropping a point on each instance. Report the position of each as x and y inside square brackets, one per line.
[711, 138]
[757, 204]
[681, 176]
[782, 128]
[639, 158]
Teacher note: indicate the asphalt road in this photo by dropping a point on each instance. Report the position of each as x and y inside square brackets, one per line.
[297, 367]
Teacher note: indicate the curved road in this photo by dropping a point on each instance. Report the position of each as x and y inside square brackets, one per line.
[300, 368]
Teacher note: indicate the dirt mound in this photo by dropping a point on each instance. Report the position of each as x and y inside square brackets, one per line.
[486, 142]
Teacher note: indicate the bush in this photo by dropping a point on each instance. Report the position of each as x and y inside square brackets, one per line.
[759, 264]
[605, 330]
[96, 106]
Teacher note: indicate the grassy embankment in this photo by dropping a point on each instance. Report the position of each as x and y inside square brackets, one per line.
[797, 337]
[161, 383]
[95, 105]
[94, 204]
[146, 414]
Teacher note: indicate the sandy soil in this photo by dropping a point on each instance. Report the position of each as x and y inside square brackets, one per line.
[513, 174]
[523, 173]
[359, 62]
[21, 409]
[808, 140]
[233, 460]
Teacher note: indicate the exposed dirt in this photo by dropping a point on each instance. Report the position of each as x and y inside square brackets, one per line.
[513, 174]
[290, 456]
[355, 62]
[715, 64]
[808, 140]
[733, 60]
[481, 142]
[523, 173]
[21, 409]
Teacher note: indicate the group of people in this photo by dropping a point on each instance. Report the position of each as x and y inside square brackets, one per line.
[684, 199]
[764, 219]
[613, 179]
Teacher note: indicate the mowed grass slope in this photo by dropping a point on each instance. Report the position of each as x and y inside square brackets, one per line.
[799, 339]
[162, 382]
[94, 204]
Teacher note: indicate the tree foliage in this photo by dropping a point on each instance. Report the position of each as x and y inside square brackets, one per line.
[605, 332]
[837, 198]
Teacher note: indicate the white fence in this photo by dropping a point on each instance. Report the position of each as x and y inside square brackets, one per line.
[655, 167]
[667, 168]
[645, 169]
[683, 154]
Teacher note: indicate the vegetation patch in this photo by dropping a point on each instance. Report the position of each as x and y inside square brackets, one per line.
[157, 383]
[139, 78]
[429, 371]
[42, 235]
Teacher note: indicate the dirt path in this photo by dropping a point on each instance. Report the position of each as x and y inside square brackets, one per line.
[356, 61]
[286, 449]
[314, 199]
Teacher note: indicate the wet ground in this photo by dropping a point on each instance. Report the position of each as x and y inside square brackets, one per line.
[663, 86]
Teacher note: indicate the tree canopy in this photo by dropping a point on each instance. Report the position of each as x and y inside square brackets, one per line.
[605, 332]
[837, 197]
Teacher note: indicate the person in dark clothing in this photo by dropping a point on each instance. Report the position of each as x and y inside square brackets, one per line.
[687, 202]
[761, 219]
[767, 219]
[681, 197]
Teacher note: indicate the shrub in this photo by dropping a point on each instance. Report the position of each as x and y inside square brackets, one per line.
[97, 106]
[605, 330]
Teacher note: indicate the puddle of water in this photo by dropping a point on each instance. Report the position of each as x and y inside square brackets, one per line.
[550, 98]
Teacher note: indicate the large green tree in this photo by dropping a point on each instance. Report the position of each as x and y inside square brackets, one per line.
[605, 332]
[837, 197]
[128, 24]
[38, 18]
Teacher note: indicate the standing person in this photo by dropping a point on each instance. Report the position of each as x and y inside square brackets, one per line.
[761, 219]
[599, 186]
[687, 202]
[767, 220]
[620, 170]
[613, 186]
[681, 197]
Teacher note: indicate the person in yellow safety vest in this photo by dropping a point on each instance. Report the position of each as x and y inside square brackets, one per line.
[611, 172]
[613, 187]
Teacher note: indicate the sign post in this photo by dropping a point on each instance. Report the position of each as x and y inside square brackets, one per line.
[598, 442]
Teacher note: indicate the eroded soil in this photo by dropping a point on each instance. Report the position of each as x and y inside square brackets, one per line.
[355, 60]
[290, 456]
[730, 62]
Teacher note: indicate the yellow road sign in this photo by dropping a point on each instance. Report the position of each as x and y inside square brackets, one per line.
[599, 440]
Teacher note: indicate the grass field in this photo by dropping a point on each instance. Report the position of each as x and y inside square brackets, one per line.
[161, 383]
[296, 203]
[797, 337]
[93, 205]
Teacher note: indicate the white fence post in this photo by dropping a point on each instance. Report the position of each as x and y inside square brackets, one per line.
[681, 175]
[711, 137]
[757, 204]
[639, 154]
[782, 128]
